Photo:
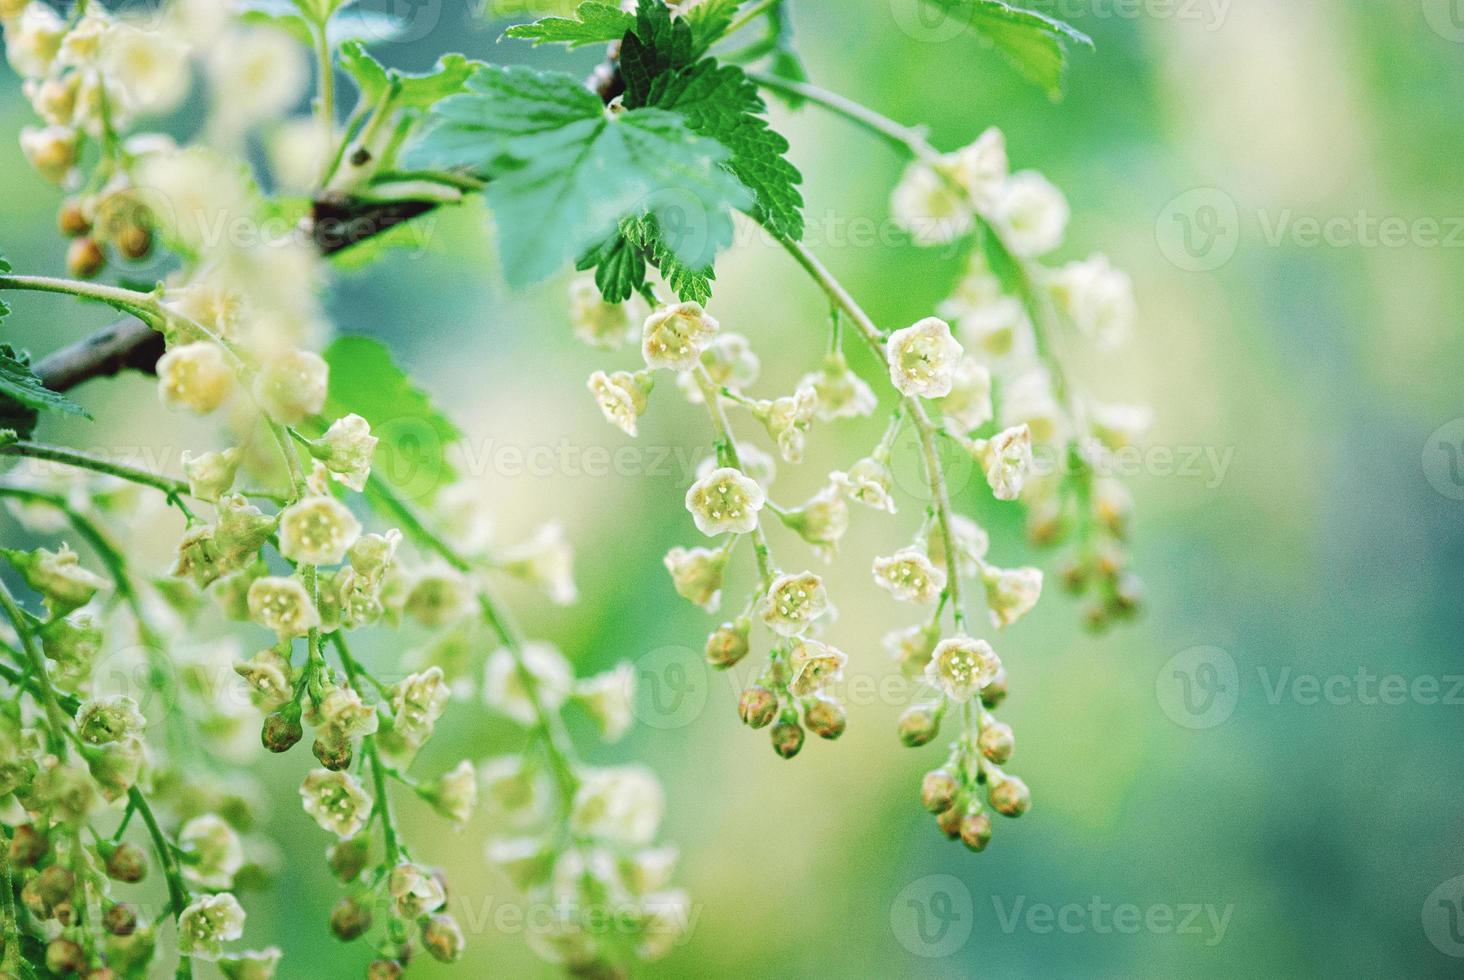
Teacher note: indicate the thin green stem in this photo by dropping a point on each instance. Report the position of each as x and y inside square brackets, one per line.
[86, 461]
[381, 806]
[753, 13]
[711, 395]
[178, 896]
[141, 305]
[325, 102]
[55, 720]
[906, 138]
[26, 679]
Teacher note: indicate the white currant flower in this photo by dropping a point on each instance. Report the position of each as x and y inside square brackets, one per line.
[1098, 298]
[621, 397]
[841, 393]
[822, 521]
[317, 531]
[793, 602]
[961, 666]
[1006, 459]
[930, 207]
[416, 890]
[972, 543]
[1011, 593]
[341, 716]
[675, 336]
[598, 323]
[33, 39]
[503, 683]
[754, 462]
[788, 419]
[195, 376]
[621, 804]
[252, 964]
[815, 666]
[149, 67]
[609, 699]
[292, 386]
[729, 362]
[259, 74]
[417, 701]
[909, 576]
[454, 794]
[283, 605]
[269, 677]
[922, 358]
[981, 167]
[438, 595]
[999, 329]
[58, 577]
[697, 574]
[348, 445]
[51, 150]
[113, 718]
[337, 801]
[725, 501]
[211, 475]
[213, 852]
[912, 646]
[545, 561]
[968, 406]
[1031, 213]
[514, 791]
[1120, 426]
[868, 481]
[207, 923]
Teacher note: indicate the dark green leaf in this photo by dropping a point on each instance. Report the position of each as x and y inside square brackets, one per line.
[563, 171]
[620, 268]
[718, 101]
[658, 44]
[22, 396]
[592, 23]
[412, 454]
[1033, 42]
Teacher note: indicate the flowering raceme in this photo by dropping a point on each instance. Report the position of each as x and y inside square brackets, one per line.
[298, 533]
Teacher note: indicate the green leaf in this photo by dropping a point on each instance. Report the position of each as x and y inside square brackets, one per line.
[1033, 42]
[4, 268]
[657, 45]
[564, 171]
[22, 396]
[710, 19]
[414, 434]
[720, 102]
[416, 91]
[620, 268]
[592, 23]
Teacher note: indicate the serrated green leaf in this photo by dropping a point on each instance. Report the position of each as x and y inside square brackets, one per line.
[1032, 42]
[22, 396]
[657, 45]
[720, 102]
[620, 268]
[414, 434]
[564, 171]
[417, 91]
[710, 19]
[592, 23]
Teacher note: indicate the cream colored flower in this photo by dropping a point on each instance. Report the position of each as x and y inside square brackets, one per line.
[283, 605]
[1011, 593]
[317, 531]
[416, 890]
[51, 150]
[213, 851]
[868, 481]
[961, 666]
[981, 168]
[609, 699]
[675, 336]
[598, 323]
[930, 207]
[259, 74]
[623, 805]
[815, 666]
[621, 398]
[348, 445]
[195, 376]
[1098, 298]
[1120, 426]
[788, 419]
[292, 386]
[971, 544]
[909, 576]
[922, 358]
[207, 923]
[1006, 459]
[725, 501]
[504, 689]
[454, 794]
[729, 362]
[33, 39]
[1031, 213]
[697, 574]
[149, 67]
[793, 602]
[840, 392]
[211, 475]
[545, 561]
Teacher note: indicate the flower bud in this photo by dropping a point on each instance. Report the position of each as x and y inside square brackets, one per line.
[58, 577]
[349, 919]
[281, 730]
[384, 970]
[211, 475]
[757, 706]
[1074, 576]
[919, 725]
[334, 754]
[127, 863]
[787, 738]
[443, 939]
[55, 885]
[71, 220]
[120, 919]
[85, 258]
[728, 644]
[292, 387]
[938, 790]
[995, 691]
[949, 822]
[996, 742]
[195, 376]
[826, 718]
[347, 858]
[64, 956]
[1128, 596]
[1010, 797]
[28, 845]
[51, 151]
[975, 830]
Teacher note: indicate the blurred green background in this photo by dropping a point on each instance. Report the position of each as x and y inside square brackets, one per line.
[1311, 835]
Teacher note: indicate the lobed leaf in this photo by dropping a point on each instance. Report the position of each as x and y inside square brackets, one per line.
[1034, 43]
[592, 23]
[417, 91]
